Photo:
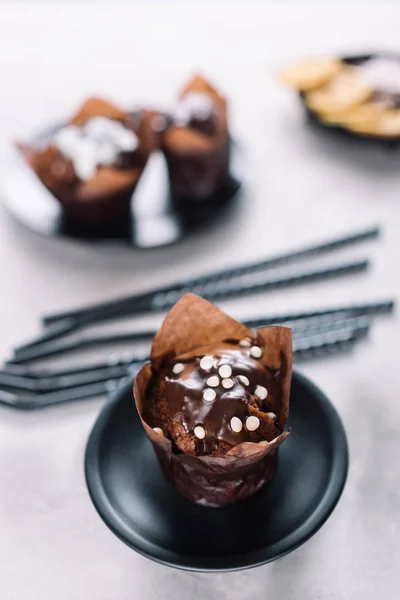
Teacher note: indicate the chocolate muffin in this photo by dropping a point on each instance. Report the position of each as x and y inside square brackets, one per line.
[214, 401]
[211, 400]
[195, 142]
[93, 163]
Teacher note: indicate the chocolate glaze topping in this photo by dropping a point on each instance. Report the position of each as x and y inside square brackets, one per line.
[184, 393]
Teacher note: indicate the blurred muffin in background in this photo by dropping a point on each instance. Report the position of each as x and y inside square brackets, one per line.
[195, 141]
[92, 164]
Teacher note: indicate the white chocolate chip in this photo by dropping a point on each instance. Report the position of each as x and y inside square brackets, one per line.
[213, 381]
[199, 432]
[194, 105]
[98, 142]
[209, 395]
[252, 423]
[207, 363]
[256, 352]
[225, 371]
[245, 343]
[236, 425]
[261, 392]
[158, 431]
[178, 368]
[244, 380]
[228, 383]
[271, 415]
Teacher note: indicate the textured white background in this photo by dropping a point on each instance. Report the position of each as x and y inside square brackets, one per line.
[303, 187]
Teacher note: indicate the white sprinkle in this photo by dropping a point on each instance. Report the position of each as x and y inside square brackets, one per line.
[67, 139]
[271, 415]
[213, 381]
[127, 140]
[244, 380]
[195, 105]
[245, 343]
[158, 431]
[207, 363]
[102, 129]
[252, 423]
[209, 395]
[261, 392]
[98, 142]
[85, 167]
[178, 368]
[199, 432]
[105, 152]
[236, 425]
[225, 371]
[256, 352]
[228, 383]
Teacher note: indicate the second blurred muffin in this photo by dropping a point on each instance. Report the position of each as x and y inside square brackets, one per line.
[195, 141]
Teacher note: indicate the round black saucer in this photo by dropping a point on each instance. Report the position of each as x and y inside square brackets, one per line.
[157, 219]
[144, 511]
[314, 118]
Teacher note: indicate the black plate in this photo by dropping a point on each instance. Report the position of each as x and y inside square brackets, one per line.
[314, 118]
[144, 511]
[157, 219]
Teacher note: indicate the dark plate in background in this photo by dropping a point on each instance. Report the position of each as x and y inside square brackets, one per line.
[357, 59]
[144, 511]
[156, 219]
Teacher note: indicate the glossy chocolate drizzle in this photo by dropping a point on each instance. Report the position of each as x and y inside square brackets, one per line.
[184, 393]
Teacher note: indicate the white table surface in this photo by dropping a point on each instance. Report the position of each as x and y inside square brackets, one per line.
[304, 187]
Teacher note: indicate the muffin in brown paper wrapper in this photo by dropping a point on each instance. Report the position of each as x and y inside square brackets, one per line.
[105, 198]
[197, 155]
[214, 480]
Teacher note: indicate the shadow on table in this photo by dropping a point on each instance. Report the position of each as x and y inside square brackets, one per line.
[380, 158]
[286, 578]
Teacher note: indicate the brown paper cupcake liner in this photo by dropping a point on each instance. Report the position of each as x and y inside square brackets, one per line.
[214, 480]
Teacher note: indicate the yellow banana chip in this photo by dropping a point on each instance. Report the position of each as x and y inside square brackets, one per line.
[309, 74]
[345, 91]
[385, 125]
[354, 116]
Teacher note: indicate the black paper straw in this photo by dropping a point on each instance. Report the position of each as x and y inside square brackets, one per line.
[233, 288]
[36, 351]
[108, 371]
[321, 348]
[372, 308]
[34, 373]
[17, 381]
[103, 310]
[68, 378]
[50, 399]
[81, 392]
[211, 291]
[55, 332]
[316, 346]
[51, 384]
[354, 324]
[341, 312]
[47, 350]
[308, 319]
